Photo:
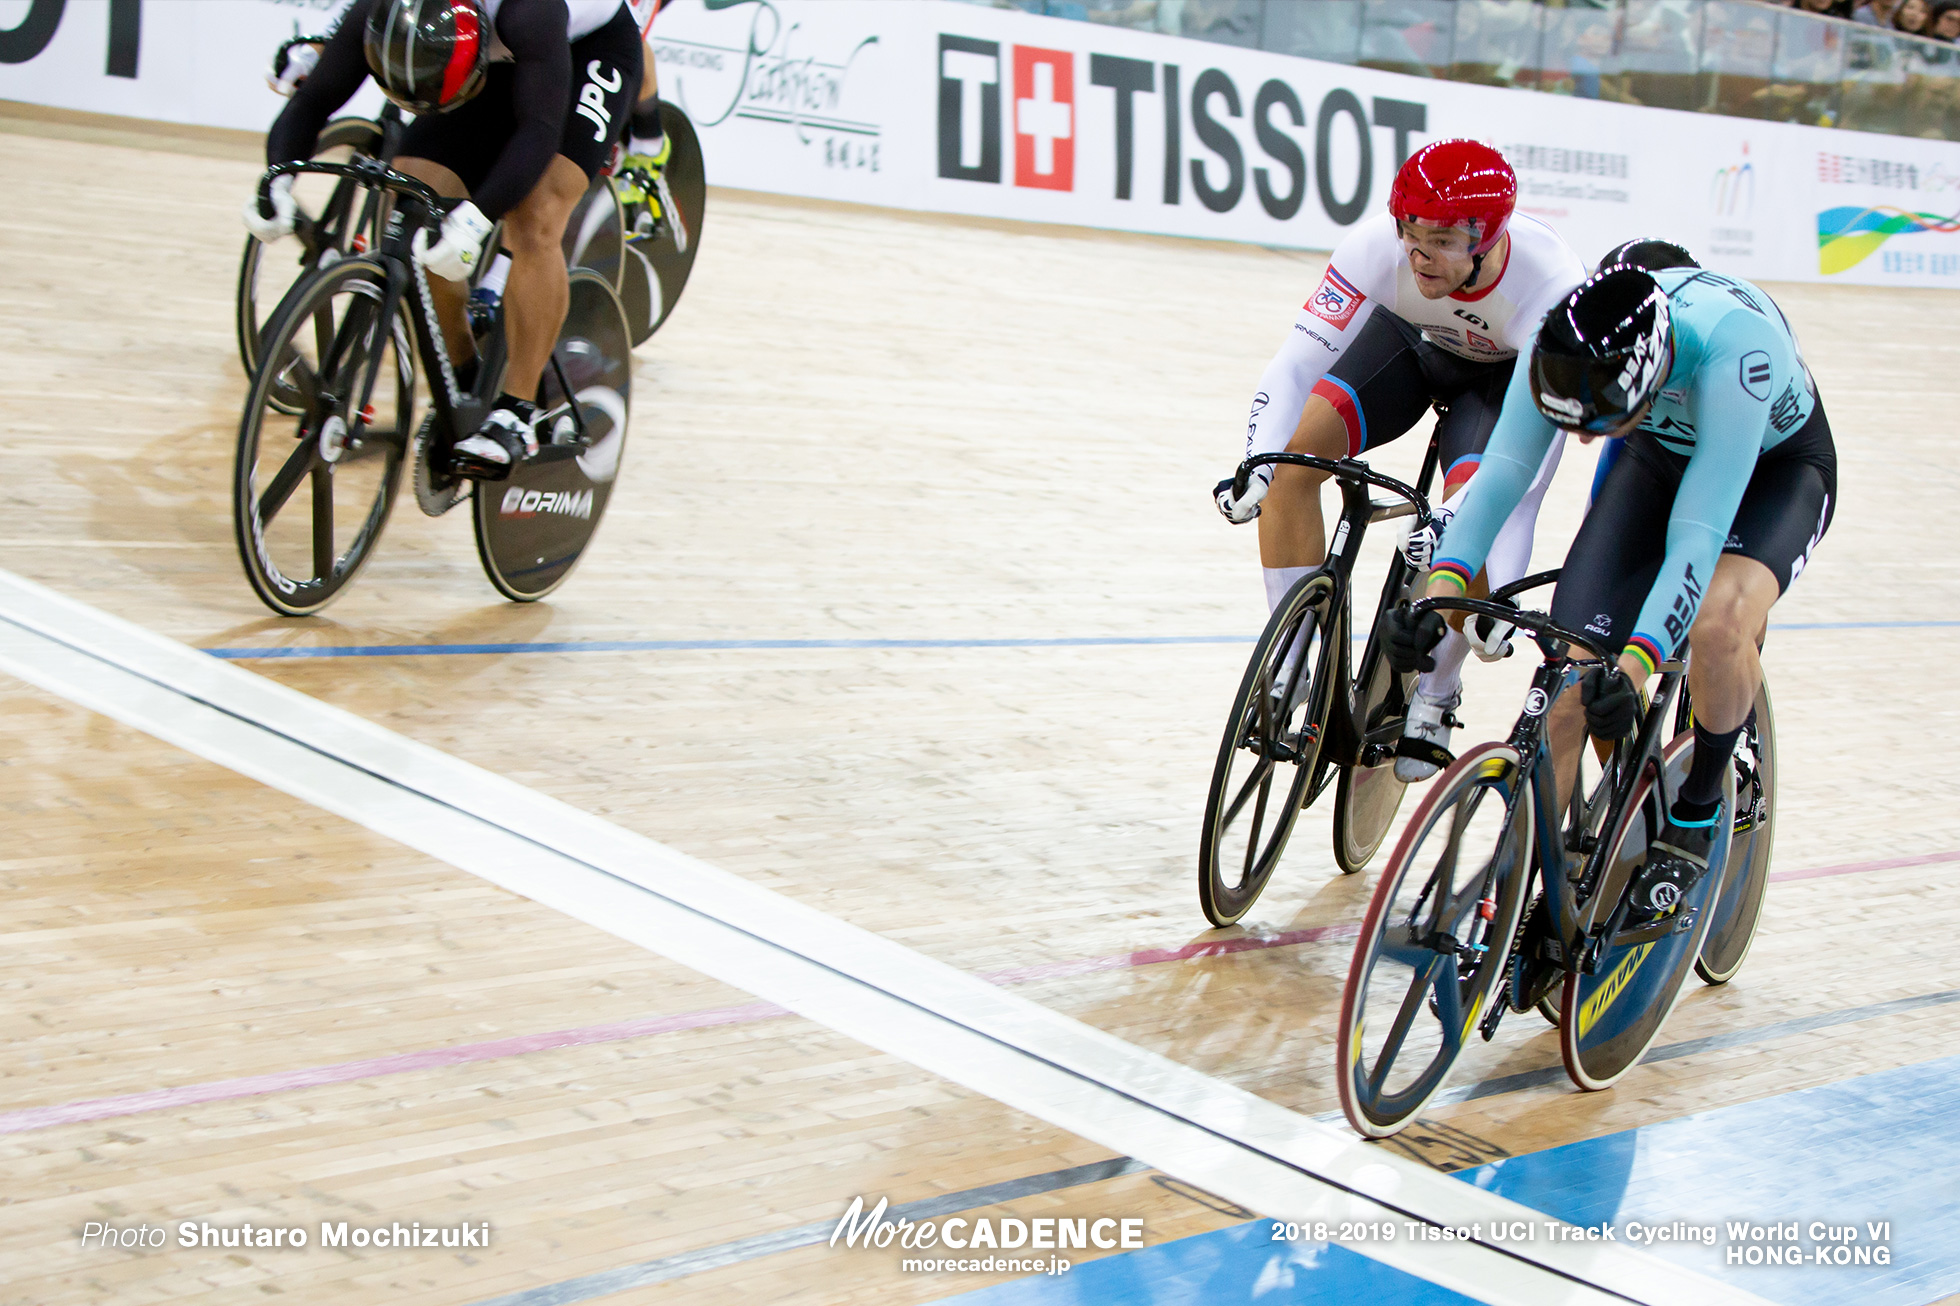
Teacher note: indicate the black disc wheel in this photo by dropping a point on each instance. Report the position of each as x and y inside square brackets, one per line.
[1270, 751]
[532, 529]
[1612, 1009]
[311, 490]
[1740, 908]
[660, 249]
[1369, 796]
[267, 272]
[595, 234]
[1431, 957]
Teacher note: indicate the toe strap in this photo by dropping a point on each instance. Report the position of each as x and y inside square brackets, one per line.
[1424, 750]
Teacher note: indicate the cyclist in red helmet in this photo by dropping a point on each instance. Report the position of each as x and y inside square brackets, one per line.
[1427, 304]
[517, 105]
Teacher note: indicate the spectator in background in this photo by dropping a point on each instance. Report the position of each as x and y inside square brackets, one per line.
[1945, 23]
[1875, 13]
[1828, 8]
[1913, 17]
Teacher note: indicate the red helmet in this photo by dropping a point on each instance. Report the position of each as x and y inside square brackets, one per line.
[1457, 183]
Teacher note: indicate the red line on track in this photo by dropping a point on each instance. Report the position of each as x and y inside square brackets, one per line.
[222, 1090]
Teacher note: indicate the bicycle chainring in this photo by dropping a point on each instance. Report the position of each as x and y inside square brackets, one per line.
[435, 494]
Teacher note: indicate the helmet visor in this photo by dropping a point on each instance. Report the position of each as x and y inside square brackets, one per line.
[1585, 394]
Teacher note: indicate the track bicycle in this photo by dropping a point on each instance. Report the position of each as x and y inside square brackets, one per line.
[1306, 714]
[332, 406]
[647, 260]
[1500, 898]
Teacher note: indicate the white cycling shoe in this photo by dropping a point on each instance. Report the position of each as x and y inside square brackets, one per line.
[1425, 745]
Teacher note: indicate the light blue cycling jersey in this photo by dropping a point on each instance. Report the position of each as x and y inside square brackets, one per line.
[1738, 387]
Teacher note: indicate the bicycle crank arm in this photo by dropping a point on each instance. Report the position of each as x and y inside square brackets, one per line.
[1677, 924]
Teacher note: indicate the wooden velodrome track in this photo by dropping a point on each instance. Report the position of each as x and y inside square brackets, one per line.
[859, 426]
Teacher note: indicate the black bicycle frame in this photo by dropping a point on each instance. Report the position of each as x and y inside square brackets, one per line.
[1347, 743]
[417, 209]
[1581, 938]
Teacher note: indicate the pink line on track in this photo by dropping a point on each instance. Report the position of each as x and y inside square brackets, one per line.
[163, 1099]
[1858, 868]
[221, 1090]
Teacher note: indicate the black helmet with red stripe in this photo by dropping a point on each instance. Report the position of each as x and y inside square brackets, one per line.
[428, 55]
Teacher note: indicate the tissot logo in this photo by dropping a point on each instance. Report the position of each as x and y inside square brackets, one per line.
[1222, 143]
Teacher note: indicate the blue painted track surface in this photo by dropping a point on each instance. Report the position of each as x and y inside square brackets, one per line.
[1878, 1149]
[1239, 1264]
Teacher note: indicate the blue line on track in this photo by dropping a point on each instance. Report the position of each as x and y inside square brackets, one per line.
[696, 645]
[709, 645]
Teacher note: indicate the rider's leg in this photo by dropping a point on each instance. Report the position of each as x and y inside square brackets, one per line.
[1477, 397]
[1722, 678]
[451, 297]
[1606, 576]
[1374, 392]
[538, 293]
[1292, 534]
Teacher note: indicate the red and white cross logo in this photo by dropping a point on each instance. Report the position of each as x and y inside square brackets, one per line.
[1044, 118]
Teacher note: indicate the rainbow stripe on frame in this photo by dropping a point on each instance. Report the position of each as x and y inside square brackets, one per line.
[1847, 235]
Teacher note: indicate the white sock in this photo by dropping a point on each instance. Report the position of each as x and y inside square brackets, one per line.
[1446, 681]
[1278, 581]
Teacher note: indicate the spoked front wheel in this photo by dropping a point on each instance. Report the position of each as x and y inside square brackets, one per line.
[311, 491]
[1434, 944]
[1270, 751]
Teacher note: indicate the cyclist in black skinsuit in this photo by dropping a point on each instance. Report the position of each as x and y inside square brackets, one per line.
[519, 104]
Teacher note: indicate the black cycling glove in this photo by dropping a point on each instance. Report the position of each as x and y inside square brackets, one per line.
[1612, 703]
[1407, 638]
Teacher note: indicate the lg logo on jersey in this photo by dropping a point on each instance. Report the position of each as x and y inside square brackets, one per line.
[592, 98]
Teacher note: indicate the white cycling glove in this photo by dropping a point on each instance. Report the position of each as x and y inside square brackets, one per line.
[284, 210]
[1419, 546]
[1490, 639]
[454, 256]
[297, 64]
[1242, 509]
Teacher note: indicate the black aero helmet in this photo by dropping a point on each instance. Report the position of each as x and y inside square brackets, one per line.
[1602, 353]
[1648, 252]
[428, 55]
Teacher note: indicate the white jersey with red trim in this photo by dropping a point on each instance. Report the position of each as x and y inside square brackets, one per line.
[644, 11]
[1370, 271]
[583, 18]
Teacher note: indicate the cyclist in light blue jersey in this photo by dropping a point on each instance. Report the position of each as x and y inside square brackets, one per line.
[1727, 482]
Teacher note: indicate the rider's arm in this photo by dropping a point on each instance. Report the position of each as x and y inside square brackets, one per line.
[1332, 317]
[535, 32]
[1511, 460]
[1730, 423]
[342, 69]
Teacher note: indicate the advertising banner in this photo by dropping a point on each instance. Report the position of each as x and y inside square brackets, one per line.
[959, 108]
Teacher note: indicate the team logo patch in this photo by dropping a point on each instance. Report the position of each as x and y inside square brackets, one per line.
[1756, 373]
[1336, 301]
